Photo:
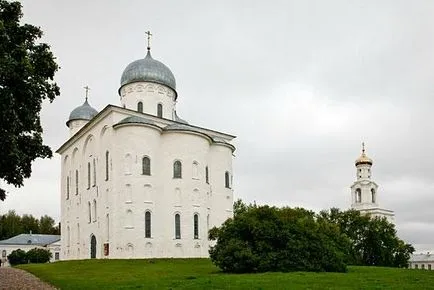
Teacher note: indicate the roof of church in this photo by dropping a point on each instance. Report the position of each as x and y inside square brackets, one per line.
[136, 120]
[83, 112]
[31, 239]
[422, 257]
[148, 70]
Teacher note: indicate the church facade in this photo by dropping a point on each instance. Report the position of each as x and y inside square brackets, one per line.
[364, 194]
[137, 181]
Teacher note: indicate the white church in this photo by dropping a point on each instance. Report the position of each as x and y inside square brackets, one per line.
[364, 194]
[137, 180]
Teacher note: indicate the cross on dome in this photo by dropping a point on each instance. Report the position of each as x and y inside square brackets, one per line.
[87, 89]
[149, 34]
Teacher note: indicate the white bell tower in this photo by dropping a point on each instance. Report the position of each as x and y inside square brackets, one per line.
[364, 196]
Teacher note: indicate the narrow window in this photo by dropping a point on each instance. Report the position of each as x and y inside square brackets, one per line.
[76, 182]
[358, 195]
[373, 195]
[416, 266]
[94, 172]
[88, 175]
[94, 210]
[4, 254]
[196, 226]
[140, 107]
[227, 185]
[160, 110]
[107, 155]
[206, 175]
[423, 266]
[177, 169]
[78, 233]
[146, 166]
[177, 226]
[67, 187]
[68, 240]
[147, 224]
[89, 211]
[429, 266]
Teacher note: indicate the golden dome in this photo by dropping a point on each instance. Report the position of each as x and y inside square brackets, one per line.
[363, 159]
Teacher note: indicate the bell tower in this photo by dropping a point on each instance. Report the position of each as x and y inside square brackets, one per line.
[364, 189]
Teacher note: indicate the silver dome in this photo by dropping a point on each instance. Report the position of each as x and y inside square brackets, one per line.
[83, 112]
[148, 70]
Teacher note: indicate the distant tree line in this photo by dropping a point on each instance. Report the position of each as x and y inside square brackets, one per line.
[264, 238]
[12, 224]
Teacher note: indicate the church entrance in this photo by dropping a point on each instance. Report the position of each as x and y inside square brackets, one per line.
[92, 247]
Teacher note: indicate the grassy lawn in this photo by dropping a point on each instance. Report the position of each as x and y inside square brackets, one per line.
[202, 274]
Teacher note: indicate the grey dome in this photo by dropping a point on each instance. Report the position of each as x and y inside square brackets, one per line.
[83, 112]
[148, 70]
[135, 120]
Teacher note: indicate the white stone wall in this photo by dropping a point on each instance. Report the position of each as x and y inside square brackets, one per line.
[127, 190]
[429, 265]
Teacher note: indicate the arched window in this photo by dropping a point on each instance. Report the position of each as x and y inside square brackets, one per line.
[227, 184]
[160, 110]
[177, 169]
[88, 175]
[206, 175]
[107, 155]
[195, 171]
[147, 224]
[373, 195]
[94, 210]
[94, 172]
[140, 107]
[89, 209]
[196, 226]
[67, 187]
[358, 195]
[177, 226]
[146, 166]
[76, 182]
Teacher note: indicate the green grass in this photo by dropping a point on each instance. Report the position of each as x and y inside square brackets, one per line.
[202, 274]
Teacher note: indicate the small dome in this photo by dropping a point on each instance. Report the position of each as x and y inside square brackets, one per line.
[83, 112]
[363, 159]
[135, 120]
[148, 70]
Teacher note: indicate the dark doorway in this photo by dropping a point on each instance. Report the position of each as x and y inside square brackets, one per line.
[92, 247]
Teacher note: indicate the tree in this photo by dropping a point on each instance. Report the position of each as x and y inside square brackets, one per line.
[374, 241]
[38, 255]
[263, 238]
[12, 224]
[17, 257]
[27, 69]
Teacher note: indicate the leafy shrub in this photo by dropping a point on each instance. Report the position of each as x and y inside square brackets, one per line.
[260, 239]
[17, 257]
[38, 255]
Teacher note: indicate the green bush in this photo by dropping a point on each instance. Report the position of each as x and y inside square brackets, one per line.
[17, 257]
[38, 255]
[260, 239]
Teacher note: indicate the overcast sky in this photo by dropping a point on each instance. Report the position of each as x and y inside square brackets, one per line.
[300, 83]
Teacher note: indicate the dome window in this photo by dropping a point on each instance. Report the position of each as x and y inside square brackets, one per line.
[160, 111]
[140, 107]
